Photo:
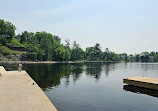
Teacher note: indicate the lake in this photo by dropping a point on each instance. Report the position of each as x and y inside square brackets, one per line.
[94, 86]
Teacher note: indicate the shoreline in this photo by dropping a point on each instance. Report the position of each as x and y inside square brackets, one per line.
[40, 62]
[54, 62]
[66, 62]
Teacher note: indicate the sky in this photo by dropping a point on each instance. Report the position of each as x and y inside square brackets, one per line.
[129, 26]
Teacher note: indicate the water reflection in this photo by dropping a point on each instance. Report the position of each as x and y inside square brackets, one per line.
[50, 75]
[140, 90]
[109, 67]
[76, 70]
[94, 69]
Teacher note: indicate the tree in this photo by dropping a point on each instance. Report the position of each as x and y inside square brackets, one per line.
[125, 57]
[46, 47]
[90, 53]
[137, 57]
[39, 36]
[26, 37]
[156, 58]
[97, 51]
[7, 29]
[144, 57]
[67, 43]
[3, 41]
[77, 52]
[15, 43]
[106, 55]
[67, 54]
[57, 38]
[152, 53]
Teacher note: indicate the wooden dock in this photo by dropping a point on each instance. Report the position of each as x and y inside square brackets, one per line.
[145, 82]
[19, 92]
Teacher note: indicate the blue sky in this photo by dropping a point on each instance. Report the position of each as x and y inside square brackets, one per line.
[121, 25]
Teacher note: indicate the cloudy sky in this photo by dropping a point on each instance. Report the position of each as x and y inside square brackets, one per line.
[129, 26]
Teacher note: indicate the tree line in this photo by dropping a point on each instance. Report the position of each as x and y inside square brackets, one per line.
[43, 46]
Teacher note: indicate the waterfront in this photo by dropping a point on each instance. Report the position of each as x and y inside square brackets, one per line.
[94, 86]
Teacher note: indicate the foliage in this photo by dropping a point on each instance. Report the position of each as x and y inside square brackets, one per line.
[43, 46]
[77, 52]
[5, 51]
[156, 58]
[15, 43]
[7, 29]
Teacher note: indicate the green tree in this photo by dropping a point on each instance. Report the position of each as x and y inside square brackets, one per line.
[137, 57]
[46, 47]
[7, 29]
[97, 51]
[67, 54]
[57, 38]
[67, 43]
[15, 43]
[152, 53]
[26, 37]
[90, 53]
[3, 41]
[77, 52]
[144, 57]
[156, 58]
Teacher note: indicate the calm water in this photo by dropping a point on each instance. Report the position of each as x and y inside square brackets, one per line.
[94, 86]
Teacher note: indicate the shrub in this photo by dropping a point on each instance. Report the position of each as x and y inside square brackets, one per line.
[31, 56]
[5, 50]
[15, 43]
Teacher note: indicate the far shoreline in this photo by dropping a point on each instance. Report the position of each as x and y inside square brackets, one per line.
[54, 62]
[40, 62]
[66, 62]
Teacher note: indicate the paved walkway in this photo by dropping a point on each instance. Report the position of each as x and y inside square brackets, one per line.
[17, 93]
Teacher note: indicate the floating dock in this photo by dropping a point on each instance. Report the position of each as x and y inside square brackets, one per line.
[19, 92]
[145, 82]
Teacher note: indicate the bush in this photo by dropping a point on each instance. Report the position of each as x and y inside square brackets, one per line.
[3, 41]
[5, 50]
[15, 43]
[31, 56]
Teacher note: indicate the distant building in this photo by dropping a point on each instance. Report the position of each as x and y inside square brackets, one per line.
[131, 57]
[123, 55]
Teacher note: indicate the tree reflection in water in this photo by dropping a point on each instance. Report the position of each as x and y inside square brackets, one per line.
[94, 69]
[50, 75]
[109, 67]
[76, 70]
